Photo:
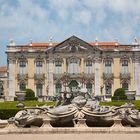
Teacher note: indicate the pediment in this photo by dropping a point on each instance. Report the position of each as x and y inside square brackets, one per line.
[74, 45]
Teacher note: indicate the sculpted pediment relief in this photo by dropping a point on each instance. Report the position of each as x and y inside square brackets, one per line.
[74, 45]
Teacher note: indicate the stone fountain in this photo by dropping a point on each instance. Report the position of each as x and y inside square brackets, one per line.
[76, 111]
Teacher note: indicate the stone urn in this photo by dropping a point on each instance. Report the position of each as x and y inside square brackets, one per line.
[130, 95]
[20, 97]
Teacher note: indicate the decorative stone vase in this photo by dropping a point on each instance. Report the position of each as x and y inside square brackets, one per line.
[20, 97]
[130, 95]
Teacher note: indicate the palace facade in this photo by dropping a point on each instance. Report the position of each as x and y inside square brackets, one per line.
[51, 68]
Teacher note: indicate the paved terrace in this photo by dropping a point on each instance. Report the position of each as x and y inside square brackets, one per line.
[70, 137]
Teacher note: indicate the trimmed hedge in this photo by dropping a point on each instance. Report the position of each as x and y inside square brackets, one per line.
[9, 109]
[30, 95]
[31, 98]
[119, 103]
[119, 94]
[8, 113]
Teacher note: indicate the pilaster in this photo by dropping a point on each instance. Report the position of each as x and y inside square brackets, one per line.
[136, 78]
[11, 79]
[50, 78]
[97, 77]
[82, 65]
[64, 65]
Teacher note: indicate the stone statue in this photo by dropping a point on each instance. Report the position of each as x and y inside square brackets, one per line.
[74, 107]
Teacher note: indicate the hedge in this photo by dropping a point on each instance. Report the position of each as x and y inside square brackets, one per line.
[30, 95]
[119, 94]
[9, 109]
[8, 113]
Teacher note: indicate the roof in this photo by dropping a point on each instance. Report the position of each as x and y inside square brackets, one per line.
[47, 44]
[3, 69]
[102, 45]
[37, 44]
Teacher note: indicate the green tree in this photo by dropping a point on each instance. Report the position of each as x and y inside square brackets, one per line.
[30, 95]
[119, 94]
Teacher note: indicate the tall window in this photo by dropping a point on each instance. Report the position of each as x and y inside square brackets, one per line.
[74, 66]
[39, 67]
[58, 88]
[89, 87]
[22, 86]
[73, 85]
[125, 85]
[108, 66]
[108, 89]
[39, 88]
[1, 88]
[58, 67]
[88, 67]
[22, 67]
[124, 66]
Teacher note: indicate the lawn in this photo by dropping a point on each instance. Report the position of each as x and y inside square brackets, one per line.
[119, 103]
[12, 105]
[9, 109]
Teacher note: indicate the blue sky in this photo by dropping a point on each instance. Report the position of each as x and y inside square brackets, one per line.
[107, 20]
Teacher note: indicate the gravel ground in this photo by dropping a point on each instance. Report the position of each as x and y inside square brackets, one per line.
[70, 137]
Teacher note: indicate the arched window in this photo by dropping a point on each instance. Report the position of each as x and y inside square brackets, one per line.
[22, 86]
[58, 88]
[125, 85]
[39, 88]
[108, 66]
[1, 88]
[73, 85]
[88, 67]
[89, 87]
[124, 68]
[108, 89]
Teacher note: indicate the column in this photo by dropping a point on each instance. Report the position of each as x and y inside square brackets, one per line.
[93, 88]
[64, 65]
[136, 78]
[97, 77]
[50, 78]
[11, 80]
[82, 65]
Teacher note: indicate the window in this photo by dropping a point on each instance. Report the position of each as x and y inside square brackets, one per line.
[22, 67]
[73, 85]
[125, 85]
[58, 88]
[1, 88]
[108, 66]
[88, 66]
[124, 66]
[39, 67]
[74, 66]
[58, 67]
[89, 87]
[108, 89]
[39, 90]
[22, 86]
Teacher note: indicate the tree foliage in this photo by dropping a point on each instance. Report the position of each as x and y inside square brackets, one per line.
[30, 95]
[119, 94]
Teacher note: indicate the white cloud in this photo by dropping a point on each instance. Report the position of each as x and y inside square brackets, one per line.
[82, 17]
[106, 19]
